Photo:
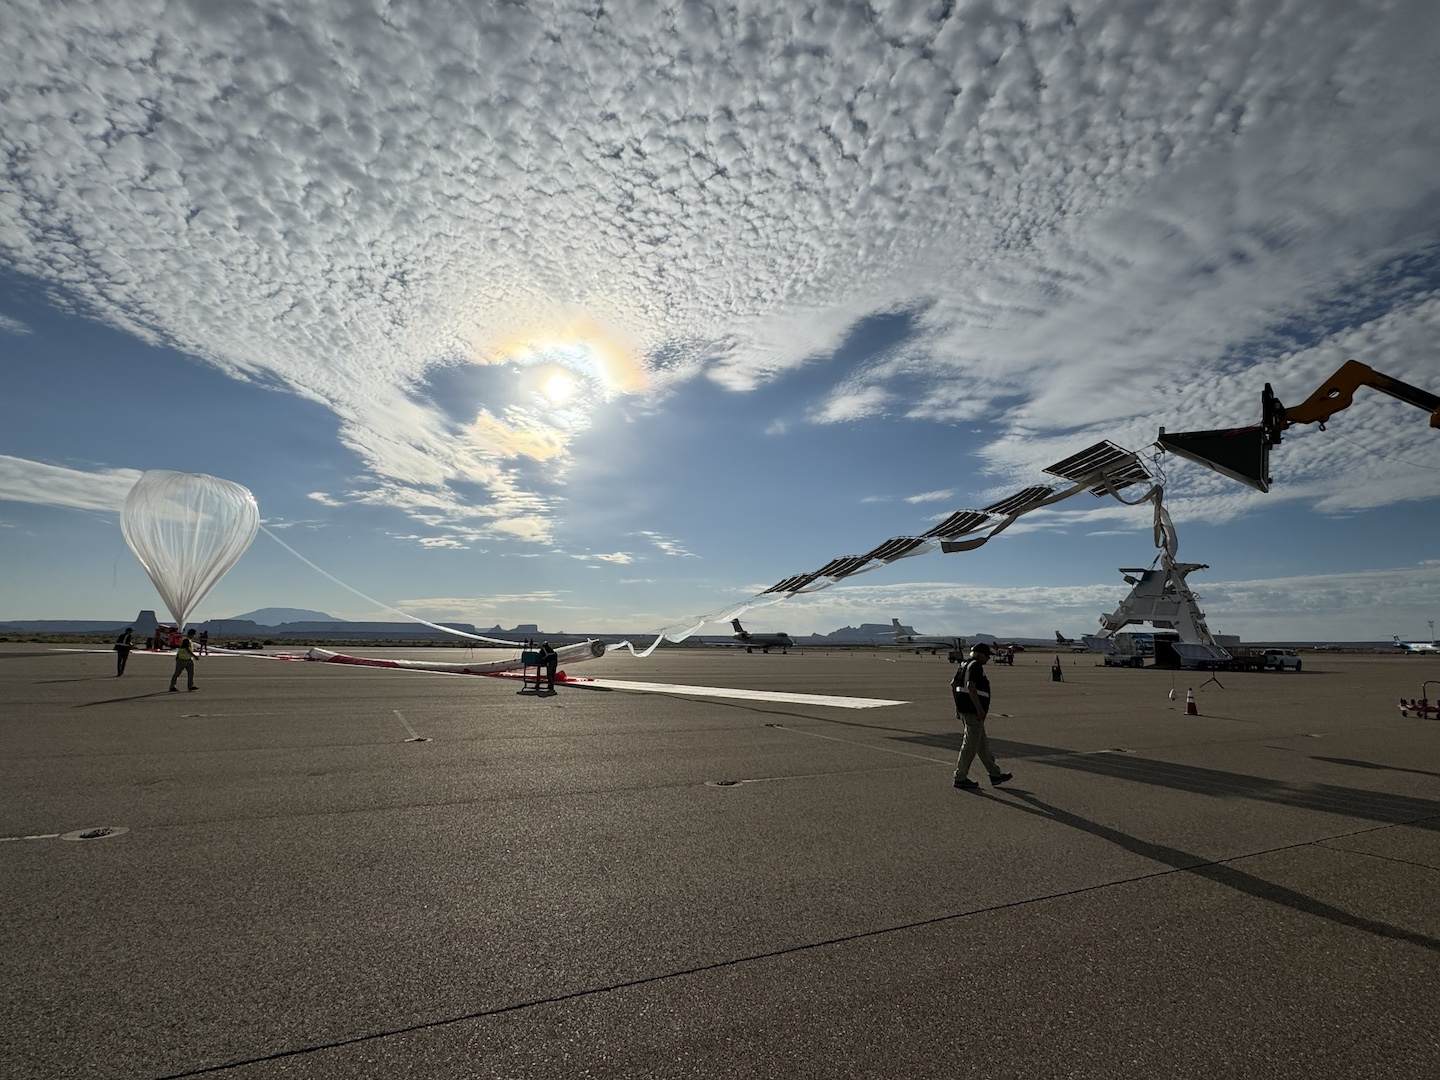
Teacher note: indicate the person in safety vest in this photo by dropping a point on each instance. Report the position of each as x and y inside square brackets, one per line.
[972, 705]
[184, 661]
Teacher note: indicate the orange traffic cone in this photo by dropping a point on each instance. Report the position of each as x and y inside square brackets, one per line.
[1190, 709]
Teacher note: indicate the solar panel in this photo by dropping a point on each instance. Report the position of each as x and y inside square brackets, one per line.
[1102, 455]
[1121, 466]
[791, 584]
[896, 548]
[1135, 473]
[1020, 502]
[957, 524]
[842, 567]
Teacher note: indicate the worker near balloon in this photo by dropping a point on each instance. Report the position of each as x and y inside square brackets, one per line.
[188, 529]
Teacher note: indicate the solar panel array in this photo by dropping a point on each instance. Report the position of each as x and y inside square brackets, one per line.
[897, 548]
[1104, 461]
[1120, 467]
[1019, 503]
[957, 524]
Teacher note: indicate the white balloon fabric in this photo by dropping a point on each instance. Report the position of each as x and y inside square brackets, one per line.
[187, 530]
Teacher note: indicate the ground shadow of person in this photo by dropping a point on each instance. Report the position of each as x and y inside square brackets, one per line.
[1217, 871]
[115, 700]
[1354, 763]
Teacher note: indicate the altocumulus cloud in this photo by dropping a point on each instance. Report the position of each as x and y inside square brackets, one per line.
[1102, 213]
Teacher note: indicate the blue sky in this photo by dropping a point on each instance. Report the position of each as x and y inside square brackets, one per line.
[812, 277]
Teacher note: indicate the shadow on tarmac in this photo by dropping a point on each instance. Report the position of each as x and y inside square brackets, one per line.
[114, 700]
[1372, 765]
[1325, 798]
[1219, 872]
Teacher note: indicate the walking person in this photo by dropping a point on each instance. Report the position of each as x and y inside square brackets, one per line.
[184, 661]
[123, 644]
[972, 705]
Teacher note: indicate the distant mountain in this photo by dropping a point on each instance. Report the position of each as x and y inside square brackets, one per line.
[865, 632]
[274, 616]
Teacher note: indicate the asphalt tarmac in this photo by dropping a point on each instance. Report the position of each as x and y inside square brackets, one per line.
[319, 871]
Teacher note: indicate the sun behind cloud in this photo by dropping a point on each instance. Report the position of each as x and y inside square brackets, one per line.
[567, 371]
[594, 358]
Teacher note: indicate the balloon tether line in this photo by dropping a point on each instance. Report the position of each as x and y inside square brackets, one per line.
[387, 607]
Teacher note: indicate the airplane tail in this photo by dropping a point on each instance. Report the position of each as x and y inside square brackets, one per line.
[899, 630]
[736, 624]
[1060, 639]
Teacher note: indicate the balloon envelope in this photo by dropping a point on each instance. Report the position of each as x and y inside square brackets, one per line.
[187, 530]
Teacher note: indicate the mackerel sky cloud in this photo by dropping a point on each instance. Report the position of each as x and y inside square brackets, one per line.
[503, 252]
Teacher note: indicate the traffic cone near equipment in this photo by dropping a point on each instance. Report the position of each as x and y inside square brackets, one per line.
[1190, 709]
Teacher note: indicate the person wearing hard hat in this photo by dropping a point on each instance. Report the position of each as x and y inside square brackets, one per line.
[972, 705]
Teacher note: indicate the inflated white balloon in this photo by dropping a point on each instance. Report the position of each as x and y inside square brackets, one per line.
[187, 530]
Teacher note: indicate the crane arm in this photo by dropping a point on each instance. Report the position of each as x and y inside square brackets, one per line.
[1338, 392]
[1244, 453]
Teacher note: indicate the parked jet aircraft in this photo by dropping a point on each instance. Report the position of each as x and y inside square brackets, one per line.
[919, 642]
[1417, 646]
[1070, 643]
[763, 642]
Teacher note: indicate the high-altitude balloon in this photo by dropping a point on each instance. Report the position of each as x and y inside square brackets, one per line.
[187, 530]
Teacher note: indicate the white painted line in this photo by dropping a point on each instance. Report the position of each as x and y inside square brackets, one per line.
[37, 836]
[744, 695]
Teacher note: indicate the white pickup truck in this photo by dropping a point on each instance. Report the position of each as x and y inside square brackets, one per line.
[1281, 659]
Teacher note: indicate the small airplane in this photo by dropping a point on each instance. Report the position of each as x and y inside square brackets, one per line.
[763, 642]
[918, 642]
[1070, 643]
[997, 645]
[1413, 647]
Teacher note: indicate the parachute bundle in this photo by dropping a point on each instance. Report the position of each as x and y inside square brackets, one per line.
[187, 530]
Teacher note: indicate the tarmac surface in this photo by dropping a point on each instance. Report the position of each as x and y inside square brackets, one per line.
[603, 883]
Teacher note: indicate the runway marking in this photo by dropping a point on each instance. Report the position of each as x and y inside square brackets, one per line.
[833, 700]
[93, 833]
